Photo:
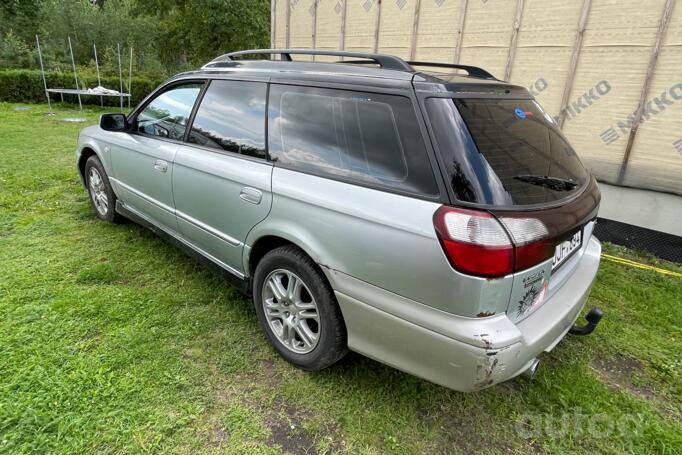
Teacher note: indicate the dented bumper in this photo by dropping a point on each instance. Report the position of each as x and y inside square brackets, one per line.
[464, 354]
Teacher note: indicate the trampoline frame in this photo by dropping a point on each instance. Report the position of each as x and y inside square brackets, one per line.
[77, 91]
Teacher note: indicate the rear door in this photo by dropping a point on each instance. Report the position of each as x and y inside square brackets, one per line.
[143, 159]
[221, 176]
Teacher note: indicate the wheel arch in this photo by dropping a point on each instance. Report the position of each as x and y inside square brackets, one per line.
[88, 147]
[264, 242]
[85, 153]
[261, 247]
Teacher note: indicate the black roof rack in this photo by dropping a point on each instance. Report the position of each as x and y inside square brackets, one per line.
[473, 71]
[384, 61]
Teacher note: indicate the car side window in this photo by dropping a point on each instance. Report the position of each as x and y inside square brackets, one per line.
[368, 138]
[167, 115]
[231, 117]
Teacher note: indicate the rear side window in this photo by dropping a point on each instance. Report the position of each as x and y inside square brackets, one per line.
[366, 138]
[504, 152]
[231, 117]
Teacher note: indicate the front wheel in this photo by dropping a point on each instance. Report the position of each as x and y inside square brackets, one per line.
[101, 195]
[297, 309]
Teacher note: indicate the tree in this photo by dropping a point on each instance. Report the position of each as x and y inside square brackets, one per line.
[86, 24]
[197, 31]
[20, 16]
[166, 35]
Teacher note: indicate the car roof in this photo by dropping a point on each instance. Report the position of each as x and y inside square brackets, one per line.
[365, 69]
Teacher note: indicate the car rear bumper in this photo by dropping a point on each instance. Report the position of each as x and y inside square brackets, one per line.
[464, 354]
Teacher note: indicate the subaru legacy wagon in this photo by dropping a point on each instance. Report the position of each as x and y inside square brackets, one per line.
[426, 215]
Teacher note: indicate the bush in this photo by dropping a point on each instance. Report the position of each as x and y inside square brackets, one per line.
[26, 86]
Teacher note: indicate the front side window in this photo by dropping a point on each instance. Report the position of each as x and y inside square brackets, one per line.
[167, 115]
[367, 138]
[231, 117]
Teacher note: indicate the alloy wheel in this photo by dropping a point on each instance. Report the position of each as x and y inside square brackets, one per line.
[98, 191]
[291, 311]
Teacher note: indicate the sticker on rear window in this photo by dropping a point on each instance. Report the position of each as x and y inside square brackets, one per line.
[520, 113]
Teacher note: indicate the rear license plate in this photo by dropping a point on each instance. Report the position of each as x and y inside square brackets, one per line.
[565, 249]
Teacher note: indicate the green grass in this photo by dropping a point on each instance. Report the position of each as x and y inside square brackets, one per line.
[113, 341]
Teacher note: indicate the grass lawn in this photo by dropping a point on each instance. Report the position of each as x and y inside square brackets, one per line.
[113, 341]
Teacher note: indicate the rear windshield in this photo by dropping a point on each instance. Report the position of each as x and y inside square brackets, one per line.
[504, 152]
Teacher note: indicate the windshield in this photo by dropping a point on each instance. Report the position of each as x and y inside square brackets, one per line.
[504, 152]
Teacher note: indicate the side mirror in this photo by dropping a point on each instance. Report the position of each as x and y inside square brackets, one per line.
[113, 122]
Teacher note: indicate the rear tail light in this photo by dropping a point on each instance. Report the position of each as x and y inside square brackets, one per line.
[477, 243]
[533, 253]
[474, 242]
[530, 237]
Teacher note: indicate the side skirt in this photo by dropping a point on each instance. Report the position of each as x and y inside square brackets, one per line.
[243, 284]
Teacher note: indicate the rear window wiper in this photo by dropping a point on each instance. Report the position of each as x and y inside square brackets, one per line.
[553, 183]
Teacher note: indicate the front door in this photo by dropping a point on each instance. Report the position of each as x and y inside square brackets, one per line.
[221, 177]
[143, 159]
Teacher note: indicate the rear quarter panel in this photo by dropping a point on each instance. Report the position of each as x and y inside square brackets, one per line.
[385, 239]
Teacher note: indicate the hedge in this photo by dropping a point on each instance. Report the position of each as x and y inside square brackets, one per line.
[26, 86]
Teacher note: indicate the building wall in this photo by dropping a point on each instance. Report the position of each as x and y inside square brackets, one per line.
[651, 209]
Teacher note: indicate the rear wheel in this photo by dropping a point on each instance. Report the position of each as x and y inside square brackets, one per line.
[101, 195]
[297, 309]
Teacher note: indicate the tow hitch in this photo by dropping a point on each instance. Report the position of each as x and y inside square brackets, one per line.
[593, 317]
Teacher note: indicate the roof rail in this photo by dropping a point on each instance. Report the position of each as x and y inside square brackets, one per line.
[473, 71]
[384, 61]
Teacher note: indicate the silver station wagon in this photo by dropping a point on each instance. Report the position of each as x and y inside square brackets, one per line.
[426, 215]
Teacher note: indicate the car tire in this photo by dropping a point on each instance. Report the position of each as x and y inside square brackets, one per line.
[101, 195]
[301, 318]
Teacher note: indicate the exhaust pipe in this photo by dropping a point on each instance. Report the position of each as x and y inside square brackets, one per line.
[530, 372]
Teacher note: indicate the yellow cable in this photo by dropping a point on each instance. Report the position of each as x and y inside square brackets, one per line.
[639, 265]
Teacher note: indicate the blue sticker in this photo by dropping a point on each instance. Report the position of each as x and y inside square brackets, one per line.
[520, 113]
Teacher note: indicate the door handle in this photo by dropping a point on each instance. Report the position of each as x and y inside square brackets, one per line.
[161, 165]
[251, 195]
